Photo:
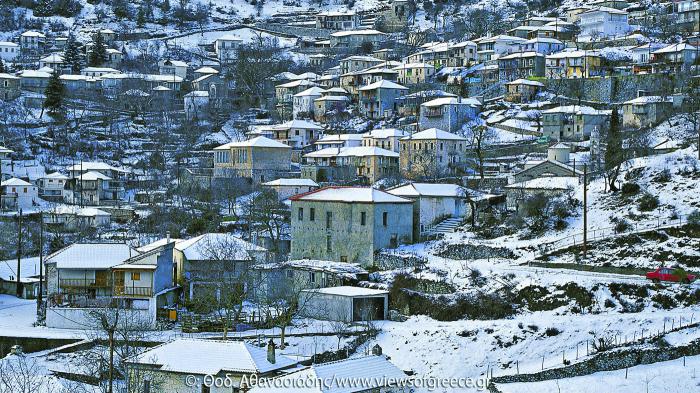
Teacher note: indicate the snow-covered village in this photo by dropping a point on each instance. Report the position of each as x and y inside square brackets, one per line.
[338, 196]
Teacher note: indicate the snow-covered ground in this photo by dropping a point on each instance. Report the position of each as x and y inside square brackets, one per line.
[671, 376]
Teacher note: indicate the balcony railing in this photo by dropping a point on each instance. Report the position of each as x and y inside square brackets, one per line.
[84, 283]
[124, 290]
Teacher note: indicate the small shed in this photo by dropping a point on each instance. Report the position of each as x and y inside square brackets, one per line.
[348, 304]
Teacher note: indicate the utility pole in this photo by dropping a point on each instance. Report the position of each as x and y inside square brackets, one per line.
[585, 209]
[39, 298]
[19, 255]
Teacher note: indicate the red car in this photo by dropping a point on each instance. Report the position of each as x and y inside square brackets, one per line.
[669, 274]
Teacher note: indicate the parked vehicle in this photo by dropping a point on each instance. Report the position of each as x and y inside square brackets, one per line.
[670, 274]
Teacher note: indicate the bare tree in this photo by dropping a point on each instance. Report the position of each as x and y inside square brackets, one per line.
[479, 138]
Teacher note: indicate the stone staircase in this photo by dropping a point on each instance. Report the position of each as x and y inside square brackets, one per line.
[448, 225]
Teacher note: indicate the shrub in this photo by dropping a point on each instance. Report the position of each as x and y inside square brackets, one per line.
[648, 202]
[694, 219]
[534, 206]
[630, 189]
[552, 331]
[609, 303]
[621, 225]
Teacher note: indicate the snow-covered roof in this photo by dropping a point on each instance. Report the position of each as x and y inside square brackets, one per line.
[15, 182]
[336, 90]
[577, 109]
[29, 267]
[381, 133]
[376, 370]
[78, 211]
[296, 83]
[357, 32]
[648, 100]
[208, 246]
[158, 243]
[205, 70]
[363, 58]
[259, 141]
[91, 255]
[35, 74]
[296, 123]
[543, 39]
[5, 150]
[8, 44]
[573, 53]
[52, 58]
[92, 175]
[292, 182]
[313, 91]
[7, 76]
[519, 55]
[212, 357]
[332, 98]
[161, 88]
[162, 78]
[349, 291]
[434, 133]
[383, 84]
[345, 269]
[339, 138]
[676, 48]
[197, 93]
[525, 82]
[350, 194]
[428, 189]
[413, 65]
[93, 166]
[33, 34]
[547, 183]
[366, 151]
[606, 10]
[101, 69]
[174, 63]
[451, 101]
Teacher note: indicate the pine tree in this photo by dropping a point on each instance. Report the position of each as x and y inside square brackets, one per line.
[98, 54]
[140, 17]
[54, 94]
[614, 152]
[72, 56]
[2, 67]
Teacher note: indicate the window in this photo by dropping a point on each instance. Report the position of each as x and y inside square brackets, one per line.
[329, 249]
[385, 218]
[301, 214]
[135, 276]
[329, 219]
[290, 273]
[312, 214]
[312, 277]
[146, 386]
[363, 218]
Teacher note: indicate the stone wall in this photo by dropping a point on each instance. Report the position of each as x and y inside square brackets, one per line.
[616, 89]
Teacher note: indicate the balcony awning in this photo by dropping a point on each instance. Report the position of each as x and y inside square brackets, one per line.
[131, 266]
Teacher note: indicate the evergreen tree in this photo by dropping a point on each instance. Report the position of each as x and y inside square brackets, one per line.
[2, 67]
[614, 152]
[140, 17]
[98, 54]
[54, 94]
[165, 6]
[72, 55]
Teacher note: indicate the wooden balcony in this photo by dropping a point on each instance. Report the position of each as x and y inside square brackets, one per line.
[83, 283]
[132, 291]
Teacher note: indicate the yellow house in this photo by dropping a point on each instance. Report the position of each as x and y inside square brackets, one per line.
[260, 159]
[573, 64]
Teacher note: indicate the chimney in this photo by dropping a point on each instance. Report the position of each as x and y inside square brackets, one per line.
[376, 350]
[271, 351]
[16, 349]
[167, 237]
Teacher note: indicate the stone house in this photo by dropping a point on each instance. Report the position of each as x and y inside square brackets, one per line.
[521, 65]
[34, 80]
[675, 58]
[573, 122]
[171, 367]
[338, 141]
[71, 218]
[688, 12]
[367, 163]
[330, 106]
[173, 67]
[385, 138]
[286, 188]
[32, 42]
[461, 54]
[358, 63]
[448, 113]
[196, 104]
[522, 90]
[377, 100]
[294, 133]
[259, 159]
[431, 152]
[338, 20]
[349, 224]
[646, 111]
[55, 62]
[557, 164]
[435, 202]
[356, 38]
[95, 183]
[9, 87]
[491, 48]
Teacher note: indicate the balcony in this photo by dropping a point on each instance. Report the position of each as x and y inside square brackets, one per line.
[132, 291]
[66, 283]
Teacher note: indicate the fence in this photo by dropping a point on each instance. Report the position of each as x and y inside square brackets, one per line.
[588, 348]
[598, 234]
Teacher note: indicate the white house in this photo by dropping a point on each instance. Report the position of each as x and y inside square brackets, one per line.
[173, 67]
[52, 186]
[8, 50]
[603, 23]
[339, 141]
[32, 41]
[436, 202]
[303, 102]
[226, 47]
[18, 194]
[98, 71]
[286, 188]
